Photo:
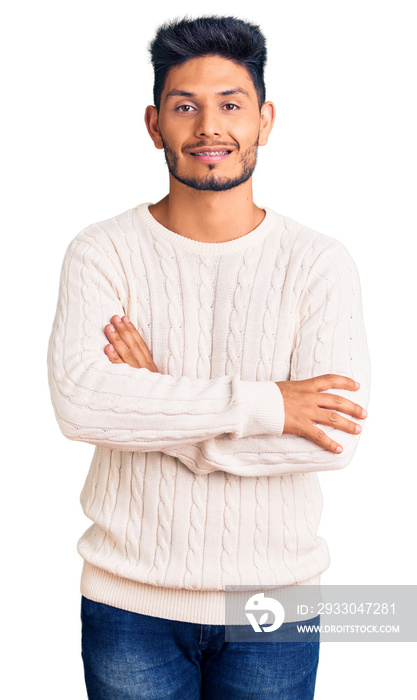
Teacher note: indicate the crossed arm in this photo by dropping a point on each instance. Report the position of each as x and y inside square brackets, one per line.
[305, 402]
[119, 399]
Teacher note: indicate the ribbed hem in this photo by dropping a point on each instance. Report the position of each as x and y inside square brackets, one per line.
[264, 408]
[201, 607]
[255, 237]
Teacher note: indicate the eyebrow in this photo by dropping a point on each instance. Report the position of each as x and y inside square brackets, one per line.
[234, 91]
[182, 93]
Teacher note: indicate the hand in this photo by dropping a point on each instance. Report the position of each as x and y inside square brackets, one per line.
[127, 345]
[305, 405]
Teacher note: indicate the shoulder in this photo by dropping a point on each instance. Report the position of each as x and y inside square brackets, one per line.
[307, 246]
[113, 238]
[115, 229]
[104, 244]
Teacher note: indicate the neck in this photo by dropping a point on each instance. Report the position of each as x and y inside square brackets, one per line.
[212, 217]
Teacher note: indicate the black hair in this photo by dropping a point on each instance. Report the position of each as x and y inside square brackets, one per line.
[179, 41]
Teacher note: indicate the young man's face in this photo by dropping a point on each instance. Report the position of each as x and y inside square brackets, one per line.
[209, 123]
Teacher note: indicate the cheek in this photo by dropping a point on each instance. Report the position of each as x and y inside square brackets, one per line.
[244, 136]
[251, 142]
[171, 132]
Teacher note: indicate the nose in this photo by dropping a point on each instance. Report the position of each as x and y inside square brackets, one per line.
[208, 123]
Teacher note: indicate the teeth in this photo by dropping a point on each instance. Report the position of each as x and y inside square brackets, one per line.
[211, 153]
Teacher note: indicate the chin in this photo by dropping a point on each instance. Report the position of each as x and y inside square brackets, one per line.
[211, 183]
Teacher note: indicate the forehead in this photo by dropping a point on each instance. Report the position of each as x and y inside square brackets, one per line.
[209, 74]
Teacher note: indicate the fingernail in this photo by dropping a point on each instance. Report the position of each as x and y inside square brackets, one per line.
[112, 329]
[125, 319]
[364, 413]
[118, 319]
[339, 449]
[358, 428]
[357, 385]
[111, 348]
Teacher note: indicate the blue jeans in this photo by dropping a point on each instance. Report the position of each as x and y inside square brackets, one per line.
[128, 655]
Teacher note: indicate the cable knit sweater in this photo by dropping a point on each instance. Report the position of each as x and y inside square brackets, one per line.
[193, 486]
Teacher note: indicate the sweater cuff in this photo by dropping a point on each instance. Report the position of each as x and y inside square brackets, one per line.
[263, 408]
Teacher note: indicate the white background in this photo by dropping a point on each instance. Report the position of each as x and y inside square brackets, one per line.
[341, 160]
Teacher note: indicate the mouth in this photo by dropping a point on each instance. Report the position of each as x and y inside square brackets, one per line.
[210, 155]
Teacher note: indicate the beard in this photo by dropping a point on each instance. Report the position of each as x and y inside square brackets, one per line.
[211, 182]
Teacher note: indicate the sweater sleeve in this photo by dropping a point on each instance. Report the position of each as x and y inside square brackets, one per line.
[125, 408]
[331, 339]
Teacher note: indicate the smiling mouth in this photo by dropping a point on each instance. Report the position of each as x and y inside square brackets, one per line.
[210, 153]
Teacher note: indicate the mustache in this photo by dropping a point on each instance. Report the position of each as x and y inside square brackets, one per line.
[204, 144]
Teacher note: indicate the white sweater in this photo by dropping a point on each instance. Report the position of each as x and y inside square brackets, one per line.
[193, 486]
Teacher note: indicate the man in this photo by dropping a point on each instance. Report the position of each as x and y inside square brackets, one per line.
[232, 368]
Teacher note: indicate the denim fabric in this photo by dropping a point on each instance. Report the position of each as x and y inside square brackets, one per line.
[128, 655]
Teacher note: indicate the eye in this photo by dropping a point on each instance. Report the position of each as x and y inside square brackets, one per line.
[184, 108]
[230, 107]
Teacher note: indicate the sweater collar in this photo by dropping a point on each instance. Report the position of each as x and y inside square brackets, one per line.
[252, 238]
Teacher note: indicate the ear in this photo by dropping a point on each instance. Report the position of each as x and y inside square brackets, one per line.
[151, 121]
[267, 121]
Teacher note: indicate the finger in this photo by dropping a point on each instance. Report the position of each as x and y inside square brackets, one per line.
[340, 403]
[315, 434]
[132, 338]
[113, 355]
[127, 323]
[129, 356]
[129, 349]
[337, 421]
[335, 381]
